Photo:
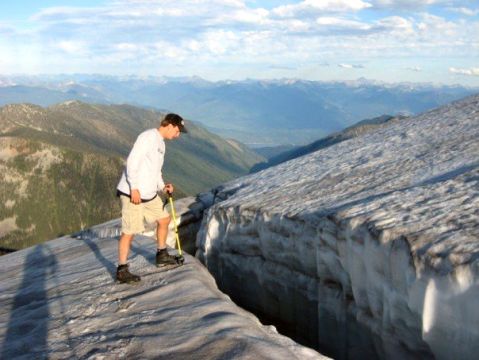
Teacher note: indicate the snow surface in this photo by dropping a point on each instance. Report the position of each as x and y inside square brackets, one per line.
[58, 300]
[368, 248]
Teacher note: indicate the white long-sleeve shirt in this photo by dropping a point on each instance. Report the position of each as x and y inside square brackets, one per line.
[144, 165]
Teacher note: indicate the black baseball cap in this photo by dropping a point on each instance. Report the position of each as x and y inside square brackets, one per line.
[176, 120]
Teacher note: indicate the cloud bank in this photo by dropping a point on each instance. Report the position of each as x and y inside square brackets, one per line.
[467, 72]
[234, 38]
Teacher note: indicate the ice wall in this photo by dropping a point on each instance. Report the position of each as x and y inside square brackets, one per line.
[368, 248]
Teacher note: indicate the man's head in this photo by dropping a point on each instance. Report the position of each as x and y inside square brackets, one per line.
[171, 126]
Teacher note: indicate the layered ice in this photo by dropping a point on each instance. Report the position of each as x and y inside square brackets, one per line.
[58, 300]
[368, 248]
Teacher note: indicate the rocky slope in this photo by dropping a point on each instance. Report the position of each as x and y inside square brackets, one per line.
[112, 129]
[367, 248]
[41, 183]
[71, 155]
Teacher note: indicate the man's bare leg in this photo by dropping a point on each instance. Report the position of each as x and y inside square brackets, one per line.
[162, 256]
[123, 275]
[124, 248]
[162, 232]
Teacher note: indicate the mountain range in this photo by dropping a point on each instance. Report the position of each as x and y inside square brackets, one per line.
[73, 153]
[255, 112]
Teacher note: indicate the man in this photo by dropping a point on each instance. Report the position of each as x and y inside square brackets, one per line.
[138, 190]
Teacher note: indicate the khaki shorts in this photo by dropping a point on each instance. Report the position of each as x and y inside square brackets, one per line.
[133, 216]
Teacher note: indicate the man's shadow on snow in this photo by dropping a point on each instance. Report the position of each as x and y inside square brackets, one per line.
[27, 329]
[109, 265]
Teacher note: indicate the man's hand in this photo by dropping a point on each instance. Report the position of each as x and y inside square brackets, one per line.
[169, 188]
[135, 197]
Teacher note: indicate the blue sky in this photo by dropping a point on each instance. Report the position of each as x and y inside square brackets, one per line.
[386, 40]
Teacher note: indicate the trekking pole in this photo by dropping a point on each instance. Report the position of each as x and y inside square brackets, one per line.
[179, 258]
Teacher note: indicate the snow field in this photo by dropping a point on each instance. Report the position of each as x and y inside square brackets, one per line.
[59, 301]
[378, 235]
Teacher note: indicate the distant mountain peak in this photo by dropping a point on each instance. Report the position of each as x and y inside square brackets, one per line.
[70, 103]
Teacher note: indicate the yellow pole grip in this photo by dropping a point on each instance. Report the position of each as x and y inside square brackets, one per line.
[173, 213]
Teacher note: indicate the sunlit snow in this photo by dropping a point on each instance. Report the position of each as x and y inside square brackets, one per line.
[59, 300]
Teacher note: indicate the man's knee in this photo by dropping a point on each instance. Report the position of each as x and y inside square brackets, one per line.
[164, 221]
[126, 237]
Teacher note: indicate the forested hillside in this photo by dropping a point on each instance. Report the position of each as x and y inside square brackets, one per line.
[59, 166]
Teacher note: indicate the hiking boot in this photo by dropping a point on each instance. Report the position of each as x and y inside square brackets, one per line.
[163, 258]
[123, 275]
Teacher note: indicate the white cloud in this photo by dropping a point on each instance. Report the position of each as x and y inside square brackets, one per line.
[468, 72]
[395, 23]
[414, 68]
[295, 25]
[434, 31]
[391, 25]
[168, 50]
[343, 23]
[71, 47]
[406, 4]
[184, 8]
[240, 18]
[312, 7]
[421, 5]
[219, 42]
[127, 46]
[281, 67]
[193, 45]
[65, 14]
[351, 66]
[464, 11]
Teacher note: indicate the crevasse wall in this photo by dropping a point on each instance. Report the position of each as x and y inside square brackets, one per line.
[333, 285]
[369, 248]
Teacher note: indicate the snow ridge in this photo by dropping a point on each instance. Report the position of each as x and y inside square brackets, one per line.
[58, 300]
[376, 238]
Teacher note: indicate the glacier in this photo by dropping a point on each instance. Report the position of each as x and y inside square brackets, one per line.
[366, 249]
[59, 300]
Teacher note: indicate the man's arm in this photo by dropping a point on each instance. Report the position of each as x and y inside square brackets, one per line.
[136, 156]
[161, 183]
